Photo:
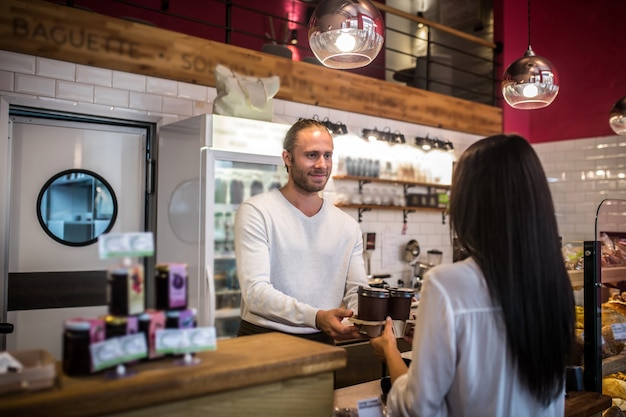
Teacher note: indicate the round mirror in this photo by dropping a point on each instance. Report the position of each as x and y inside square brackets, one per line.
[76, 206]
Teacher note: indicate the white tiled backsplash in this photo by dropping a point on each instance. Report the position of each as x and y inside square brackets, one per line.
[583, 172]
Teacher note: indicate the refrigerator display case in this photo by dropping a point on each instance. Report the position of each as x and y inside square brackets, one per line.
[600, 269]
[208, 165]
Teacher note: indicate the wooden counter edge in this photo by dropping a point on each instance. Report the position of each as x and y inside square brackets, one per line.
[577, 403]
[237, 363]
[586, 403]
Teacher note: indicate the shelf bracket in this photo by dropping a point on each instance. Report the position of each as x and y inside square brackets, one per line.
[405, 213]
[361, 210]
[361, 184]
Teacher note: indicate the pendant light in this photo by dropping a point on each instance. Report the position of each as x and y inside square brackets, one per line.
[346, 34]
[617, 117]
[531, 81]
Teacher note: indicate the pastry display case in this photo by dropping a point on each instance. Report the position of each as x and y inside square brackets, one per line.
[597, 270]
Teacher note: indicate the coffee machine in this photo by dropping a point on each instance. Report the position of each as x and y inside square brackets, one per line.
[411, 254]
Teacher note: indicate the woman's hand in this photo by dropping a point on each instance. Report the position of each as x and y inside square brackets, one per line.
[386, 348]
[385, 344]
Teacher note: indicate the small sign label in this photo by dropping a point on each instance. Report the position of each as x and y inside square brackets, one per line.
[117, 245]
[178, 341]
[370, 407]
[118, 350]
[619, 331]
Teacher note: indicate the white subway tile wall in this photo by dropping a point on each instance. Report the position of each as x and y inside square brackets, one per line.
[7, 80]
[111, 96]
[582, 172]
[75, 91]
[161, 86]
[95, 76]
[32, 84]
[56, 69]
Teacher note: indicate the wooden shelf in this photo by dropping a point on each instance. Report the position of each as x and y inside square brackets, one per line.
[613, 273]
[609, 274]
[390, 181]
[613, 364]
[577, 278]
[405, 184]
[398, 208]
[362, 208]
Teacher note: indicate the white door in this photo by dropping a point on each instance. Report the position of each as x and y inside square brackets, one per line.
[54, 270]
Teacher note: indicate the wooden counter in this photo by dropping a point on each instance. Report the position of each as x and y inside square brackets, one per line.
[577, 404]
[263, 375]
[586, 403]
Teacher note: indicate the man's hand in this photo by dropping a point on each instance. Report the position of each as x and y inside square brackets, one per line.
[329, 321]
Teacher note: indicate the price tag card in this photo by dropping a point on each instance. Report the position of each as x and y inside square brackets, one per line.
[619, 331]
[370, 407]
[177, 341]
[118, 350]
[117, 245]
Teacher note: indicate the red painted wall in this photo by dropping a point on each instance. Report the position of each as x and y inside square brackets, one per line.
[249, 22]
[586, 42]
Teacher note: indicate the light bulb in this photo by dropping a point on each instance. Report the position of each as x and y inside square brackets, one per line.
[530, 91]
[345, 42]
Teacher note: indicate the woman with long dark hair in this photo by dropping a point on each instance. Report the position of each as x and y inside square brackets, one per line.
[492, 331]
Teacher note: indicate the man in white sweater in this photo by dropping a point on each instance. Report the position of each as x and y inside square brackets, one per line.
[299, 258]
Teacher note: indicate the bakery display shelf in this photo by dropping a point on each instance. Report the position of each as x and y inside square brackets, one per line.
[613, 274]
[613, 364]
[608, 274]
[577, 278]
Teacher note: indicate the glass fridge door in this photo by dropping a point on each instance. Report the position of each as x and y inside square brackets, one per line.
[234, 182]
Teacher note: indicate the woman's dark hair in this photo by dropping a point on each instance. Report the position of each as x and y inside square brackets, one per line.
[502, 213]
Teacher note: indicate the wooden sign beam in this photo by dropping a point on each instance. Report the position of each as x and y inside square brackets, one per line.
[48, 30]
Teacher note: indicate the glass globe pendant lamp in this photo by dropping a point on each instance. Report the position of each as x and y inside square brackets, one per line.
[530, 82]
[617, 117]
[346, 34]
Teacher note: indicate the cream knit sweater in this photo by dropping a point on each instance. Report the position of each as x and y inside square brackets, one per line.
[290, 266]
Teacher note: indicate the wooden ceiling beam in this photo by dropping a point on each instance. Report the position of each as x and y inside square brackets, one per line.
[68, 34]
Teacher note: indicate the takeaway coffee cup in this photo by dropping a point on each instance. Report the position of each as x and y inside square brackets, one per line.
[400, 303]
[373, 303]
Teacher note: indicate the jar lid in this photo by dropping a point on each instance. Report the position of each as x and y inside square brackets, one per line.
[77, 325]
[401, 292]
[119, 272]
[115, 320]
[373, 292]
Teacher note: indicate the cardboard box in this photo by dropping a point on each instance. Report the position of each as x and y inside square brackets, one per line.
[38, 372]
